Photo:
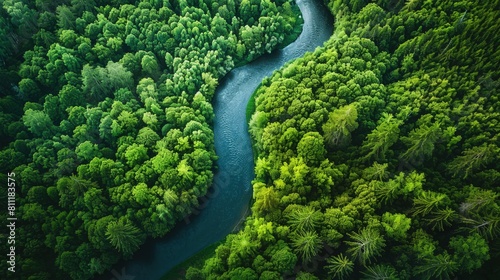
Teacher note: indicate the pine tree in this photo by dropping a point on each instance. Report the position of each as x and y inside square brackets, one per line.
[124, 236]
[341, 122]
[366, 245]
[340, 266]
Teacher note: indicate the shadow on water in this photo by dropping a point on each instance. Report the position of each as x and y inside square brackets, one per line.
[227, 202]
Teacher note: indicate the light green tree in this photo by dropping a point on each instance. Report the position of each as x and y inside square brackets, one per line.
[304, 218]
[366, 245]
[379, 141]
[420, 142]
[341, 122]
[306, 244]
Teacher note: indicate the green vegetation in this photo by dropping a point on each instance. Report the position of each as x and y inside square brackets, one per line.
[106, 118]
[179, 271]
[377, 155]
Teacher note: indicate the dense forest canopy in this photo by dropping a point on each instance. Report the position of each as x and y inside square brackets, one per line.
[106, 118]
[377, 155]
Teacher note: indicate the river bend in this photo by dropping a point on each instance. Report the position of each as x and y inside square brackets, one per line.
[232, 191]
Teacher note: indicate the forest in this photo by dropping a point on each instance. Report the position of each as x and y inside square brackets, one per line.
[106, 119]
[377, 155]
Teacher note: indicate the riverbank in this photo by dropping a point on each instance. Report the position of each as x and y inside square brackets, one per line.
[178, 272]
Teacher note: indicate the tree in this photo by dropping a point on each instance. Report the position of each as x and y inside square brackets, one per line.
[270, 275]
[194, 273]
[421, 142]
[304, 218]
[95, 83]
[341, 122]
[440, 218]
[340, 266]
[124, 236]
[147, 137]
[306, 244]
[150, 66]
[163, 160]
[283, 260]
[118, 76]
[311, 148]
[469, 252]
[243, 245]
[376, 172]
[184, 170]
[95, 202]
[377, 272]
[29, 89]
[305, 276]
[472, 159]
[79, 6]
[38, 122]
[366, 245]
[427, 201]
[379, 141]
[71, 189]
[441, 266]
[243, 273]
[70, 96]
[65, 17]
[266, 199]
[136, 154]
[143, 195]
[69, 261]
[396, 225]
[87, 151]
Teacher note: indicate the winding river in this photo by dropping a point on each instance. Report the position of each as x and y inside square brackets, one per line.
[231, 193]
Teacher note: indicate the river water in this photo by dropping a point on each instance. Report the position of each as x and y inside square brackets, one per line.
[231, 193]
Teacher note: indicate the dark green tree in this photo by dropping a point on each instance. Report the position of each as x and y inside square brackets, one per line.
[340, 266]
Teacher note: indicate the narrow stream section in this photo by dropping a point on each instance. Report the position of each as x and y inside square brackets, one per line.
[232, 191]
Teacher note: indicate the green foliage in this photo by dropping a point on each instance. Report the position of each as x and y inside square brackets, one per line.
[38, 122]
[480, 212]
[469, 253]
[472, 159]
[124, 236]
[420, 142]
[304, 219]
[379, 272]
[340, 267]
[284, 260]
[341, 122]
[306, 244]
[428, 201]
[266, 200]
[311, 148]
[441, 218]
[441, 266]
[379, 141]
[396, 225]
[244, 246]
[366, 245]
